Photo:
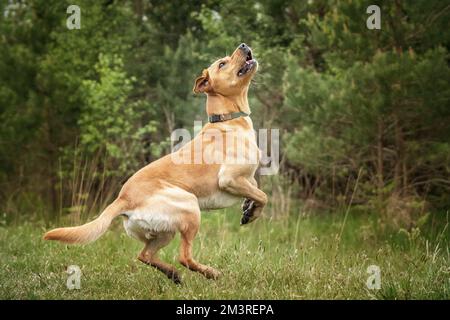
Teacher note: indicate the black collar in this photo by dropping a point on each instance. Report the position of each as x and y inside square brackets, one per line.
[227, 116]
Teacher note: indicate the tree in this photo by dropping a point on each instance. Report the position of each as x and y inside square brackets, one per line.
[381, 102]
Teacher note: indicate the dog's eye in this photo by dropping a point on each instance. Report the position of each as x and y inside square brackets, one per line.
[221, 64]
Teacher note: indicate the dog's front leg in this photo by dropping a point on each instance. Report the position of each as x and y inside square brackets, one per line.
[245, 187]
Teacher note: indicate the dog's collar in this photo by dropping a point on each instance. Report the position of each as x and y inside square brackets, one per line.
[226, 116]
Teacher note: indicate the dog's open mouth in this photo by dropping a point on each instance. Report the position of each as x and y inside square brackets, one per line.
[248, 65]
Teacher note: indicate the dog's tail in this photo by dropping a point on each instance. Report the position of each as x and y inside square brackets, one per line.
[91, 231]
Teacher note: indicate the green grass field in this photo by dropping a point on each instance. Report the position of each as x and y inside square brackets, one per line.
[292, 258]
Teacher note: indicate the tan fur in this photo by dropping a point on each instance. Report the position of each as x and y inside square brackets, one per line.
[162, 197]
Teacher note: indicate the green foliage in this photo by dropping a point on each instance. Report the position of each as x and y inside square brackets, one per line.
[347, 99]
[375, 100]
[109, 120]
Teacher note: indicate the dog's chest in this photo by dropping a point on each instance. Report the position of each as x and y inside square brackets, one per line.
[241, 147]
[217, 200]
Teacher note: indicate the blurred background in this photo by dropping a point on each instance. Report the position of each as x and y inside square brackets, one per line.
[363, 114]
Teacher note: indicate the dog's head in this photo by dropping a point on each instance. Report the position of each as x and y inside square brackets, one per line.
[230, 75]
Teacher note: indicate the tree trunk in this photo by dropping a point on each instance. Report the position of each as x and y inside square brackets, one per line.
[380, 159]
[399, 161]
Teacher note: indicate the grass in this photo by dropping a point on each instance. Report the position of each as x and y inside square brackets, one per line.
[298, 257]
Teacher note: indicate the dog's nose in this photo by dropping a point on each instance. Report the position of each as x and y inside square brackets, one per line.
[244, 47]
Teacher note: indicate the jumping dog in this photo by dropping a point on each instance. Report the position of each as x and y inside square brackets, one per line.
[167, 195]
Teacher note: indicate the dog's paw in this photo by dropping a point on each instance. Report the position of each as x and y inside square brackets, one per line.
[212, 273]
[175, 277]
[246, 204]
[248, 215]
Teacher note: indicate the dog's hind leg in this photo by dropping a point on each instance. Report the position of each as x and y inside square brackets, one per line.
[149, 255]
[188, 234]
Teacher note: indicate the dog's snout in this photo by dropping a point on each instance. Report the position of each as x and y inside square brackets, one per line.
[246, 50]
[244, 47]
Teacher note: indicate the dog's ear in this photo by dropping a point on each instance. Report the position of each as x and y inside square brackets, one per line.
[202, 83]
